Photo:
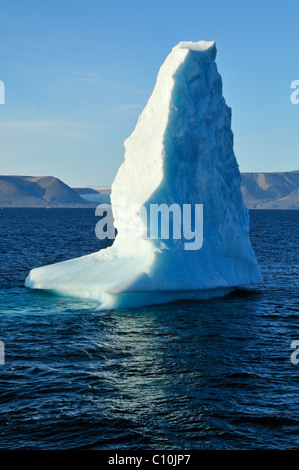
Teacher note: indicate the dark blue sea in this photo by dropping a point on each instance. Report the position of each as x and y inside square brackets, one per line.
[213, 374]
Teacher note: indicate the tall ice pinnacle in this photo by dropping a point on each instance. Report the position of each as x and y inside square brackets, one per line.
[179, 154]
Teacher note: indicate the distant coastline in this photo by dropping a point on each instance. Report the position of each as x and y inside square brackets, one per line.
[276, 190]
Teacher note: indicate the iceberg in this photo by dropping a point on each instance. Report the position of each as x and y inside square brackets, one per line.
[180, 155]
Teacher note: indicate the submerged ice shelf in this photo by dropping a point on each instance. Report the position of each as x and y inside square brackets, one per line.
[180, 152]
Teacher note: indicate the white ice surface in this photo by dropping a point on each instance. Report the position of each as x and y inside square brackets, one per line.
[181, 151]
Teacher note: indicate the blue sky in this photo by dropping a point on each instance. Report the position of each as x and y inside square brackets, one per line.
[78, 73]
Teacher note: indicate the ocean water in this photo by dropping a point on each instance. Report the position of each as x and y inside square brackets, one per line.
[212, 374]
